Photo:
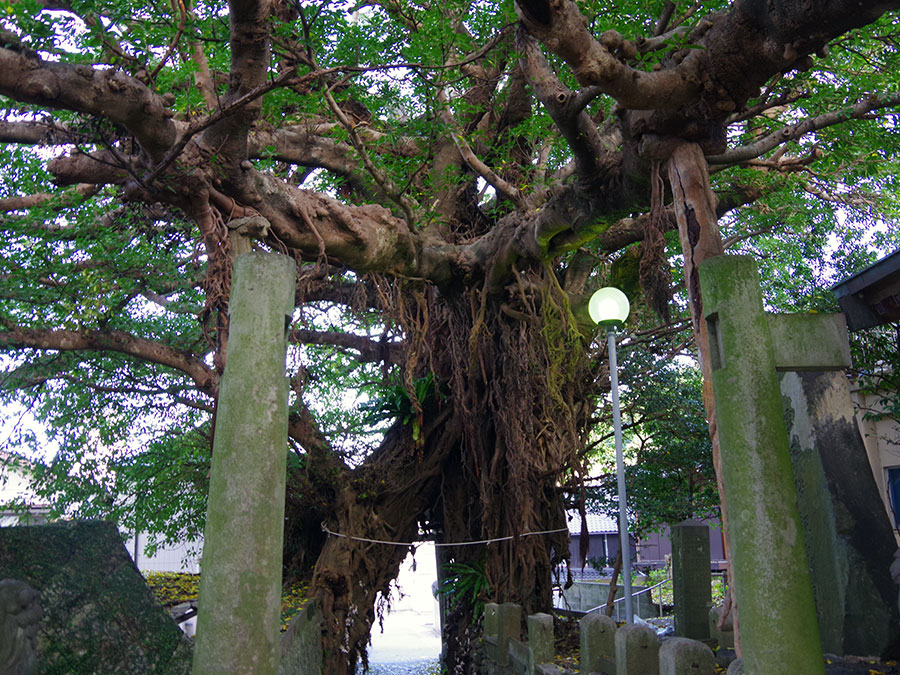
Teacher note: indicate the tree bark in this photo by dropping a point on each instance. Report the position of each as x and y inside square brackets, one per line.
[350, 572]
[613, 580]
[698, 230]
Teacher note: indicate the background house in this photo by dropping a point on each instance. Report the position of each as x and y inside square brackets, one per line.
[180, 557]
[20, 506]
[603, 543]
[869, 299]
[653, 548]
[881, 437]
[647, 553]
[18, 503]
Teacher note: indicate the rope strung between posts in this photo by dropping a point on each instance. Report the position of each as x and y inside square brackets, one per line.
[458, 543]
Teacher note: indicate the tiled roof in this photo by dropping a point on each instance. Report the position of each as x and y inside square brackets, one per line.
[596, 523]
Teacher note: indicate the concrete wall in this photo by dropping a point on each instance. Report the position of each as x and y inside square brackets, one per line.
[582, 596]
[849, 540]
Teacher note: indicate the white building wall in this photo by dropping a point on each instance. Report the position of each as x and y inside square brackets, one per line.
[882, 441]
[15, 486]
[183, 557]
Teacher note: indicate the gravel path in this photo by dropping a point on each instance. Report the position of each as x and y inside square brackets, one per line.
[408, 668]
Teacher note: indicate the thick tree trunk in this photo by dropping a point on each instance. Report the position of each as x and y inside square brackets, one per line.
[383, 502]
[698, 229]
[517, 370]
[349, 575]
[512, 369]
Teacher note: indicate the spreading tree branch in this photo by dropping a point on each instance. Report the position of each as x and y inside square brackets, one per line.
[18, 337]
[249, 40]
[503, 188]
[566, 109]
[367, 349]
[797, 131]
[42, 132]
[64, 200]
[109, 94]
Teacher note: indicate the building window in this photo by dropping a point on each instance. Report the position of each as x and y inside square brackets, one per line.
[893, 481]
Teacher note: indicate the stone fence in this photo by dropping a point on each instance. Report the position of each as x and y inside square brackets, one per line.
[301, 643]
[606, 648]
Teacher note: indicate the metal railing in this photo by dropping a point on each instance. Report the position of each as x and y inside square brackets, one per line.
[648, 589]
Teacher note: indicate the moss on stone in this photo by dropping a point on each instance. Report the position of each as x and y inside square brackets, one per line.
[99, 614]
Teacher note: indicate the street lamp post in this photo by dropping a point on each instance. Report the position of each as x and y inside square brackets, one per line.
[609, 307]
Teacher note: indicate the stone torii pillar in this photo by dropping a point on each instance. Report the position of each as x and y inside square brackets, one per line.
[238, 627]
[778, 623]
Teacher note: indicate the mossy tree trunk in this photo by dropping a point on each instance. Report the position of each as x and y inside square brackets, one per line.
[509, 416]
[698, 230]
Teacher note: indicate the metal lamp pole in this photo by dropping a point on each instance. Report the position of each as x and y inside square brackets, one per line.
[620, 471]
[609, 307]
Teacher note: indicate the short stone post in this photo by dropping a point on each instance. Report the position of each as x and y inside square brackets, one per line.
[521, 659]
[540, 637]
[598, 644]
[683, 656]
[637, 650]
[501, 622]
[723, 636]
[239, 623]
[736, 667]
[691, 579]
[779, 632]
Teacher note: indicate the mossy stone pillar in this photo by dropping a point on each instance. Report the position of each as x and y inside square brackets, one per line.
[502, 623]
[239, 623]
[779, 631]
[691, 579]
[540, 637]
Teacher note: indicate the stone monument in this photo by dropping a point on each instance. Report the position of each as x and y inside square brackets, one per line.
[98, 613]
[20, 617]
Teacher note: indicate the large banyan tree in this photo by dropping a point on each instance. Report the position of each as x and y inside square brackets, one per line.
[454, 178]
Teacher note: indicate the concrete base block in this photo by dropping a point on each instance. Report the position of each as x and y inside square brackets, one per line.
[540, 637]
[637, 650]
[683, 656]
[547, 669]
[598, 644]
[501, 623]
[736, 667]
[725, 636]
[521, 658]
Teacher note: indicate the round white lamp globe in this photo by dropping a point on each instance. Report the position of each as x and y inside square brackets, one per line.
[609, 307]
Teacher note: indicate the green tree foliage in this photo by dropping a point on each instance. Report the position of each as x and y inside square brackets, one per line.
[668, 455]
[454, 180]
[465, 584]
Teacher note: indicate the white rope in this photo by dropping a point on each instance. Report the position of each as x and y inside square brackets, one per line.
[458, 543]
